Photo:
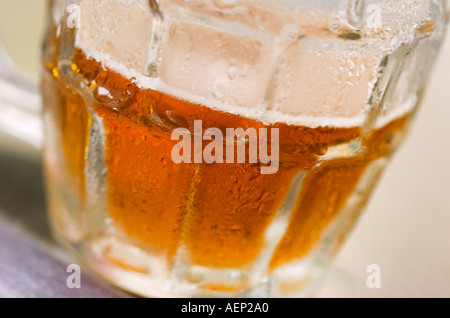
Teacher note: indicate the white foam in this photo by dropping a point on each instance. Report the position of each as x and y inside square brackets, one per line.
[319, 102]
[260, 113]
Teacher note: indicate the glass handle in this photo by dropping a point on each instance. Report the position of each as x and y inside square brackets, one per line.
[20, 102]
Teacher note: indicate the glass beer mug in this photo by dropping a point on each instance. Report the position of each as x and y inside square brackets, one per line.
[224, 148]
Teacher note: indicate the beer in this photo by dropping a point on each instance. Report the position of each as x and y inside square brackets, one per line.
[117, 195]
[219, 213]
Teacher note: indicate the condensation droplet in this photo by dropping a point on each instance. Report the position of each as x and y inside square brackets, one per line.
[219, 88]
[245, 70]
[225, 3]
[349, 35]
[232, 72]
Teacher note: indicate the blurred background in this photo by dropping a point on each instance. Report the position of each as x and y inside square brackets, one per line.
[405, 228]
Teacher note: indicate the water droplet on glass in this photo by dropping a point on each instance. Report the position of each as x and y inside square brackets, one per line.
[225, 3]
[219, 88]
[349, 35]
[232, 72]
[245, 70]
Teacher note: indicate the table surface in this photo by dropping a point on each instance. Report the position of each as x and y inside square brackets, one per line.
[405, 228]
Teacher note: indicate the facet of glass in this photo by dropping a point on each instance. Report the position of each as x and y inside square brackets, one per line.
[341, 81]
[19, 102]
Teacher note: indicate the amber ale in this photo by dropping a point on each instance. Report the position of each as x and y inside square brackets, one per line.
[218, 213]
[337, 106]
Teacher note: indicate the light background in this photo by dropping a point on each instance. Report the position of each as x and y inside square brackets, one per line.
[406, 227]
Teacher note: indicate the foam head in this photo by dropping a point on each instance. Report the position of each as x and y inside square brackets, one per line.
[255, 58]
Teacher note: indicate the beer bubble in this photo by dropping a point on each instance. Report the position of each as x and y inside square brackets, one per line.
[172, 118]
[103, 95]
